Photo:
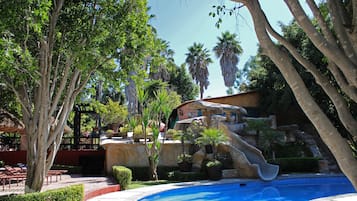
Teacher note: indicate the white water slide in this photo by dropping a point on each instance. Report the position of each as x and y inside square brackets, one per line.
[247, 159]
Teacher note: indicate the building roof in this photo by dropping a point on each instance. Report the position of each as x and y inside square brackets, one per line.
[200, 104]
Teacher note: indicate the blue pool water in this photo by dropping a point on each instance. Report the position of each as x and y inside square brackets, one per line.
[297, 189]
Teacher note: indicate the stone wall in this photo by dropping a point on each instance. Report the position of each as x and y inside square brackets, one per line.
[134, 154]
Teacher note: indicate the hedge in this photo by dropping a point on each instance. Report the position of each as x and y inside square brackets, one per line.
[123, 175]
[305, 164]
[186, 176]
[70, 193]
[142, 173]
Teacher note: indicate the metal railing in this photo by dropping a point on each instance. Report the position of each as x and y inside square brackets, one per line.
[12, 142]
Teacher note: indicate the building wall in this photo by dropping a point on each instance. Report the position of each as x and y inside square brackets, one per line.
[247, 99]
[185, 112]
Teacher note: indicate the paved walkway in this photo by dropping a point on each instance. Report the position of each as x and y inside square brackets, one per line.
[90, 183]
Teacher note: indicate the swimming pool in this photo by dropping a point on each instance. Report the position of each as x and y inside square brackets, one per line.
[296, 189]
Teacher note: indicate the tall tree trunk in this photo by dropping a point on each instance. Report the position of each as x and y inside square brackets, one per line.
[329, 134]
[153, 168]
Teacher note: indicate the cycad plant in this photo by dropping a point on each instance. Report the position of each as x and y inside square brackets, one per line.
[212, 136]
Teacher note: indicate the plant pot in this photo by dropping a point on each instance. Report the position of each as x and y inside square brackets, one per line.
[185, 166]
[209, 149]
[214, 172]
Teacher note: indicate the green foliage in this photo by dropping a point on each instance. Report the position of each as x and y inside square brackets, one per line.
[198, 59]
[185, 176]
[212, 163]
[184, 136]
[142, 173]
[2, 163]
[182, 83]
[112, 112]
[123, 176]
[212, 136]
[71, 193]
[295, 165]
[138, 131]
[184, 158]
[227, 50]
[132, 122]
[49, 51]
[195, 129]
[292, 150]
[268, 137]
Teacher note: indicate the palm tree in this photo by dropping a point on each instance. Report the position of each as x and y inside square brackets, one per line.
[227, 50]
[198, 60]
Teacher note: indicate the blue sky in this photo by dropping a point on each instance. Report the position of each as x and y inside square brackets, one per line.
[183, 22]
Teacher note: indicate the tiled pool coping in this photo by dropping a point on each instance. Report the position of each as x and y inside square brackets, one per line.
[135, 194]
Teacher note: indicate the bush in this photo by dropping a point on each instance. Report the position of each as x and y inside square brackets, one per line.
[288, 165]
[142, 173]
[185, 176]
[123, 176]
[290, 150]
[71, 193]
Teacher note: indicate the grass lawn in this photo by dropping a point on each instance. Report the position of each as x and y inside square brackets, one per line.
[139, 184]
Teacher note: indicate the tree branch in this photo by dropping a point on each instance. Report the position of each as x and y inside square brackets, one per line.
[62, 86]
[340, 104]
[322, 24]
[334, 54]
[350, 91]
[337, 16]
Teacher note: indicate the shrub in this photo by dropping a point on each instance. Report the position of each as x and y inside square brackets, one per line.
[184, 158]
[214, 163]
[288, 165]
[123, 176]
[142, 173]
[292, 150]
[185, 176]
[70, 193]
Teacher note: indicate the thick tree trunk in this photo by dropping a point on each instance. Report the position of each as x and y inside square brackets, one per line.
[330, 135]
[36, 159]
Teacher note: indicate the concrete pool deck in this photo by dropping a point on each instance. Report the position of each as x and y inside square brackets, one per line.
[135, 194]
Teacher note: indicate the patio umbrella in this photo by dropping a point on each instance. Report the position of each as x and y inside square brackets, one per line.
[9, 123]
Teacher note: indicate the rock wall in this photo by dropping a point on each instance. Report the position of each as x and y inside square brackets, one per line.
[134, 154]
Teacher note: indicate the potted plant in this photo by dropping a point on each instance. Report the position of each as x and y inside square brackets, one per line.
[132, 123]
[111, 113]
[137, 133]
[213, 137]
[184, 160]
[214, 169]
